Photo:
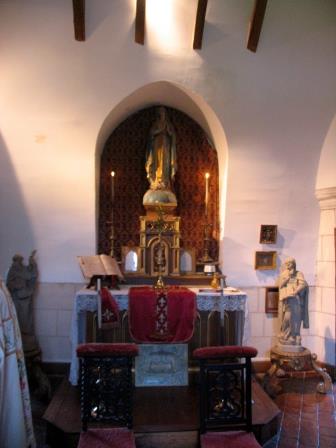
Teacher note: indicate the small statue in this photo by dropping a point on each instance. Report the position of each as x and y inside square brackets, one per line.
[288, 354]
[293, 303]
[161, 152]
[21, 283]
[161, 162]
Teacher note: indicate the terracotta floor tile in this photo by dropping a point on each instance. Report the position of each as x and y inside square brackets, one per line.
[308, 426]
[327, 442]
[309, 414]
[290, 419]
[308, 445]
[309, 418]
[309, 437]
[309, 399]
[288, 443]
[326, 420]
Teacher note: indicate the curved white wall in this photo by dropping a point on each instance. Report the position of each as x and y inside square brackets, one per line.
[326, 176]
[178, 97]
[60, 98]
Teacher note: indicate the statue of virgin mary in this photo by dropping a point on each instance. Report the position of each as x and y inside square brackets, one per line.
[161, 163]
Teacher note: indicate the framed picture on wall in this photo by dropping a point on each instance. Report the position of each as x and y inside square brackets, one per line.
[271, 299]
[265, 260]
[268, 234]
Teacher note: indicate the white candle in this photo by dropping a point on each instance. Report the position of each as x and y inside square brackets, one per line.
[112, 185]
[207, 175]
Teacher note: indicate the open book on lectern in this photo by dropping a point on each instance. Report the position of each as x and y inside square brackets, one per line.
[95, 266]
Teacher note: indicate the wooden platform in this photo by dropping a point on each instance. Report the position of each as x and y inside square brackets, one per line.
[172, 411]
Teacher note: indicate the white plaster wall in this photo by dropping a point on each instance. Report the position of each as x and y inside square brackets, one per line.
[275, 108]
[326, 175]
[324, 316]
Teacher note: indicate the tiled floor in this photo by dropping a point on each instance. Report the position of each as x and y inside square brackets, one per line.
[308, 418]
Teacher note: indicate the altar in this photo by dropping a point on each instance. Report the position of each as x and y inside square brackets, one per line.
[230, 300]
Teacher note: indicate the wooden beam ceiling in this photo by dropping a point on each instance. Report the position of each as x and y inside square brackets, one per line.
[256, 24]
[140, 17]
[79, 19]
[199, 25]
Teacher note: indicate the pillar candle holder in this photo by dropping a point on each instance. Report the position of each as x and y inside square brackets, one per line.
[206, 243]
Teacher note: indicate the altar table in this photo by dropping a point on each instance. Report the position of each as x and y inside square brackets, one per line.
[86, 300]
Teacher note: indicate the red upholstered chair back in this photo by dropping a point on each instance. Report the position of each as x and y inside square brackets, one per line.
[225, 387]
[106, 387]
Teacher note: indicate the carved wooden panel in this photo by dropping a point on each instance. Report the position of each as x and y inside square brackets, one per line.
[124, 153]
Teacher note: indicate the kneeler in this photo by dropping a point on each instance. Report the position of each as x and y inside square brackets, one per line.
[106, 393]
[225, 396]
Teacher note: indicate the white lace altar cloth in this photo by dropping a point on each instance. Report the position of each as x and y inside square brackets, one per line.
[86, 300]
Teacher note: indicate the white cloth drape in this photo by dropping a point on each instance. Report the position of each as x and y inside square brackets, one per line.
[16, 427]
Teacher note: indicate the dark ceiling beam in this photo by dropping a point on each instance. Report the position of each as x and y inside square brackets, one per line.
[79, 19]
[256, 23]
[199, 25]
[140, 17]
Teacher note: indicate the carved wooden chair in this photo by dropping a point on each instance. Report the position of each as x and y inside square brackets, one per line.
[225, 396]
[106, 392]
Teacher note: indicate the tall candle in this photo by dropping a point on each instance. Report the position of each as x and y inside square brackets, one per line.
[112, 185]
[207, 175]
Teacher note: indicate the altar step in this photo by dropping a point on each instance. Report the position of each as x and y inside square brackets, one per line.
[163, 416]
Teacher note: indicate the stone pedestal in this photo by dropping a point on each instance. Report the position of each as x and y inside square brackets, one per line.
[293, 358]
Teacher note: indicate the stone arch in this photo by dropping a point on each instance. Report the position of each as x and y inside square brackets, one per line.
[185, 100]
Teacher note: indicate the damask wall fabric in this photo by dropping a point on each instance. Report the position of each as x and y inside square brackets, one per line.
[124, 153]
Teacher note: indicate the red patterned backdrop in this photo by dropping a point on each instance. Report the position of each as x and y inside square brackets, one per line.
[124, 153]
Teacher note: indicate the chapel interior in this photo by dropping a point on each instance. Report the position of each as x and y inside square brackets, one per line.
[168, 204]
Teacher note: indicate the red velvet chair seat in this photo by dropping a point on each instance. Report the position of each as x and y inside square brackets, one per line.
[225, 351]
[107, 438]
[230, 439]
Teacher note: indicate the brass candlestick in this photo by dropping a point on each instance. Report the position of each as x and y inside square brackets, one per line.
[206, 243]
[112, 239]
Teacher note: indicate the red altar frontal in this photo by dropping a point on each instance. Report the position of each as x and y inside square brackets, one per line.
[162, 315]
[219, 319]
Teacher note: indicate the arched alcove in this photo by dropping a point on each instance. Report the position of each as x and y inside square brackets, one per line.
[184, 100]
[125, 154]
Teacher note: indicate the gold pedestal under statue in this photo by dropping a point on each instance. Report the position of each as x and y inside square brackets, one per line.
[284, 360]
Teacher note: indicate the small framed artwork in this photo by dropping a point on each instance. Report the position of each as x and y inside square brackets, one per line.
[265, 260]
[268, 234]
[271, 299]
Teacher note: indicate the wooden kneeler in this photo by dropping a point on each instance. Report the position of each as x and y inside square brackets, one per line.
[225, 396]
[106, 395]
